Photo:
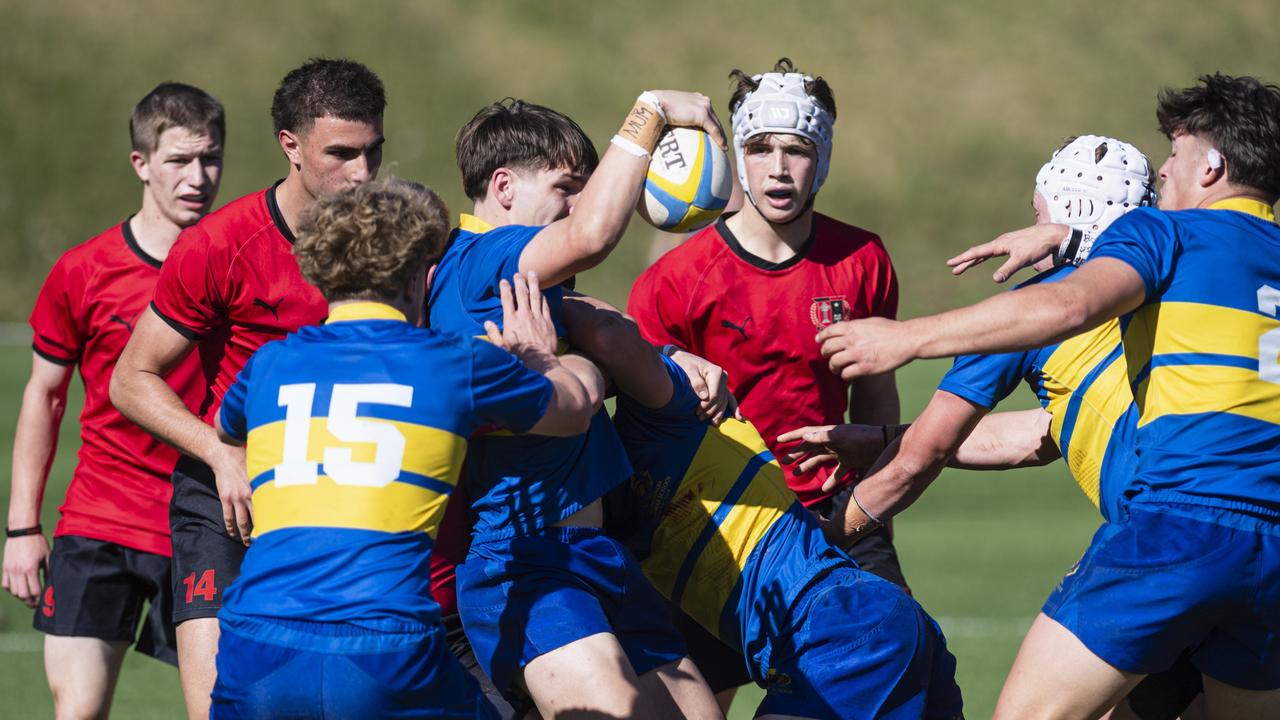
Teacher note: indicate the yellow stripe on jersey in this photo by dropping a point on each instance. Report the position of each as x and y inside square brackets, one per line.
[718, 464]
[429, 451]
[1098, 409]
[1182, 390]
[1256, 208]
[398, 507]
[1178, 342]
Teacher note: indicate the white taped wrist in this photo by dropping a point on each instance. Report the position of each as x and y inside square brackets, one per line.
[629, 146]
[651, 100]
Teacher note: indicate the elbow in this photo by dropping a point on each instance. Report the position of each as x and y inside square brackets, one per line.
[117, 391]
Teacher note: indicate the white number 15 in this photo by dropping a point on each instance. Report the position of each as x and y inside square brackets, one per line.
[345, 425]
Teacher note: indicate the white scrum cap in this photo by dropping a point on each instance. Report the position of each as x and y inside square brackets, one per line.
[780, 105]
[1093, 180]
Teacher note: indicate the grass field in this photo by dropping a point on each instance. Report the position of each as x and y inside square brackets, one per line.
[981, 551]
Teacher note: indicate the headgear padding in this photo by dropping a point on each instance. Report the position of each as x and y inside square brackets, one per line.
[780, 104]
[1094, 180]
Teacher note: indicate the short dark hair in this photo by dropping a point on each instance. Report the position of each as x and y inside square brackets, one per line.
[170, 105]
[342, 88]
[816, 87]
[520, 135]
[369, 241]
[1240, 116]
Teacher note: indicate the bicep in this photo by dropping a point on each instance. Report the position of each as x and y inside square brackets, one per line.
[550, 255]
[1105, 288]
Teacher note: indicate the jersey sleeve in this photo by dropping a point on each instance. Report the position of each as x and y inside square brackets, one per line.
[495, 257]
[504, 391]
[659, 309]
[675, 419]
[57, 328]
[1145, 240]
[233, 414]
[190, 293]
[882, 291]
[986, 379]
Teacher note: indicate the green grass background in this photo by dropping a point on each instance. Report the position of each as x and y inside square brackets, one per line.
[946, 111]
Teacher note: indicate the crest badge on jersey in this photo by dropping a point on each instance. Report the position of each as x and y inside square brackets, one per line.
[828, 310]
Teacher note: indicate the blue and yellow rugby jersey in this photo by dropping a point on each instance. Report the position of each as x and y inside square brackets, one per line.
[1082, 383]
[710, 517]
[356, 432]
[517, 484]
[1203, 352]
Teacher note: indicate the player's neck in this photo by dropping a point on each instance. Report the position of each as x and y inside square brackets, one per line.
[293, 198]
[773, 242]
[153, 232]
[1228, 191]
[491, 212]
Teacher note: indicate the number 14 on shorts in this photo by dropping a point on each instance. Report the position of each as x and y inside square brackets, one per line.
[205, 587]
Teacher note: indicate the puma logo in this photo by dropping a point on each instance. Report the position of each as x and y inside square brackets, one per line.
[275, 309]
[741, 329]
[122, 321]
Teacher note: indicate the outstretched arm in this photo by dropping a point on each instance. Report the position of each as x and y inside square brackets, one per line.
[1007, 440]
[921, 454]
[1030, 317]
[585, 238]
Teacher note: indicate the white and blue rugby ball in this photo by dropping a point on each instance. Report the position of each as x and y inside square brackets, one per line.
[688, 183]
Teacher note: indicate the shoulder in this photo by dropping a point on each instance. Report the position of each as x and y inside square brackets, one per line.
[838, 240]
[691, 257]
[233, 224]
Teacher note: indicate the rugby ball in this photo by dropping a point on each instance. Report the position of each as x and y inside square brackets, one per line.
[688, 183]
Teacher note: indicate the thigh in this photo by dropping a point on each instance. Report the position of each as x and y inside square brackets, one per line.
[205, 559]
[82, 673]
[89, 592]
[416, 680]
[1056, 676]
[590, 675]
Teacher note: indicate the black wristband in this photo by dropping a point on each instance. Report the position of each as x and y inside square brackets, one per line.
[1066, 253]
[23, 532]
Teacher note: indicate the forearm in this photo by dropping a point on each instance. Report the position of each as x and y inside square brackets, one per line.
[873, 400]
[1013, 321]
[615, 343]
[35, 442]
[145, 398]
[1006, 440]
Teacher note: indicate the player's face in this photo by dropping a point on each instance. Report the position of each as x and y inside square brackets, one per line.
[542, 197]
[1181, 173]
[780, 171]
[181, 177]
[336, 154]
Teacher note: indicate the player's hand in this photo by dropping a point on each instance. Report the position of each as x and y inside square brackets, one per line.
[232, 479]
[1026, 247]
[689, 109]
[851, 447]
[857, 348]
[711, 383]
[527, 330]
[25, 559]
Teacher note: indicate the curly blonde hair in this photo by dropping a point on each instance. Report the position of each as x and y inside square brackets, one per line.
[370, 241]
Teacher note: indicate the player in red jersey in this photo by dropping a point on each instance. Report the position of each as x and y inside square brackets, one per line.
[750, 292]
[111, 546]
[232, 285]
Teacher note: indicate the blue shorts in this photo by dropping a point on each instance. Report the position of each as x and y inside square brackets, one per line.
[859, 647]
[525, 596]
[295, 669]
[1159, 583]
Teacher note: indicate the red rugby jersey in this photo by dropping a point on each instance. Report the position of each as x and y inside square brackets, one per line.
[231, 282]
[758, 320]
[84, 315]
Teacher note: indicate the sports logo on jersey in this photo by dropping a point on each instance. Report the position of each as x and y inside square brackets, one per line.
[273, 309]
[48, 602]
[740, 329]
[828, 310]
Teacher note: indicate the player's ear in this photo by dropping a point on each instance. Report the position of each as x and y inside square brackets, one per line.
[141, 167]
[502, 187]
[431, 276]
[291, 145]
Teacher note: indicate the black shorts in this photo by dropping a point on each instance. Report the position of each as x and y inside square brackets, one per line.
[874, 552]
[1166, 695]
[205, 558]
[94, 588]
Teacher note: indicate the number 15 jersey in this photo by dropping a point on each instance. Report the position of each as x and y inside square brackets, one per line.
[356, 432]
